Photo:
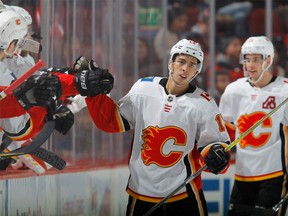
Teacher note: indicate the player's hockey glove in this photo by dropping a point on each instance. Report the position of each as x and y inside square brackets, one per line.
[94, 82]
[37, 90]
[64, 119]
[82, 63]
[217, 159]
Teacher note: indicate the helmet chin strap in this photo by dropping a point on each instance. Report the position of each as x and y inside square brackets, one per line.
[261, 75]
[8, 55]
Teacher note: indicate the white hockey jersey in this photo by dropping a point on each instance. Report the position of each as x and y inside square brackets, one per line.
[19, 126]
[263, 153]
[168, 130]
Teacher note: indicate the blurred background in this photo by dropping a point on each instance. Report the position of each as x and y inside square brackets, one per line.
[133, 39]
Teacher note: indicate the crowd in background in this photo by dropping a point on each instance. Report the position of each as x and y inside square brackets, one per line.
[156, 31]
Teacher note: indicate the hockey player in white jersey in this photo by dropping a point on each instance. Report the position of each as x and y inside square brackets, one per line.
[261, 157]
[175, 124]
[14, 29]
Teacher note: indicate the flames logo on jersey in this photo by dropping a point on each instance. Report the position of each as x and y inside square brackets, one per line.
[154, 140]
[248, 120]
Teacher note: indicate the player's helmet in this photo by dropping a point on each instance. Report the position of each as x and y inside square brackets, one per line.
[23, 13]
[188, 47]
[257, 45]
[12, 27]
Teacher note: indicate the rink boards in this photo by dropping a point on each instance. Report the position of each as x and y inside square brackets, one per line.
[94, 192]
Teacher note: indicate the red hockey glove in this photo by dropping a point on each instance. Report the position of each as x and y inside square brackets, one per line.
[217, 159]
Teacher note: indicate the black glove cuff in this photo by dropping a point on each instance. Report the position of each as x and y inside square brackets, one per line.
[80, 80]
[24, 102]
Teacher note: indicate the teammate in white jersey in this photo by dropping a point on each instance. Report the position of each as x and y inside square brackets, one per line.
[175, 124]
[14, 28]
[261, 157]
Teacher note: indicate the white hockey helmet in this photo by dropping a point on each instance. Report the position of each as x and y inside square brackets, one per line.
[23, 13]
[188, 47]
[257, 45]
[12, 27]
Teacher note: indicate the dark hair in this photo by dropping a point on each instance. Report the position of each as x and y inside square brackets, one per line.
[174, 12]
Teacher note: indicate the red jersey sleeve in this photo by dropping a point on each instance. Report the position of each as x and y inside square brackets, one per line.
[67, 83]
[105, 114]
[231, 129]
[10, 107]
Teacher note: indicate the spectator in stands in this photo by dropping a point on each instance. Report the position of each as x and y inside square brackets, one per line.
[148, 64]
[222, 79]
[228, 59]
[238, 11]
[166, 38]
[276, 68]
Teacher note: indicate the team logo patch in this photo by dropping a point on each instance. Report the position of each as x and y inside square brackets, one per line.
[155, 138]
[170, 98]
[253, 139]
[18, 21]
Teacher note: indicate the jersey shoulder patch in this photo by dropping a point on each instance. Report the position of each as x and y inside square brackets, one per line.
[147, 79]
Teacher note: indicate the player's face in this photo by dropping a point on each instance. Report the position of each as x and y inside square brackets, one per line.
[253, 64]
[184, 69]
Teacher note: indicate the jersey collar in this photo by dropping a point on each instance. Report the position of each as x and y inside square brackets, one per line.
[164, 81]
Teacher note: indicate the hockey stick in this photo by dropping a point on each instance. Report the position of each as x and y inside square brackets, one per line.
[49, 157]
[272, 211]
[41, 153]
[21, 79]
[242, 136]
[35, 143]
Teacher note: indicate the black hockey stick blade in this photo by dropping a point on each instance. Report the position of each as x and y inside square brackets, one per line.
[39, 140]
[49, 157]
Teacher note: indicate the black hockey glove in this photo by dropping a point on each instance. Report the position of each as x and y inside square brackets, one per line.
[82, 63]
[64, 119]
[94, 82]
[37, 90]
[217, 158]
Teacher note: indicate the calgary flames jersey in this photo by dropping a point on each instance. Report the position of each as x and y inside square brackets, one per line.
[169, 131]
[262, 153]
[14, 120]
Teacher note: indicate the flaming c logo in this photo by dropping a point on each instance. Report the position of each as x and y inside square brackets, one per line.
[18, 21]
[247, 121]
[154, 140]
